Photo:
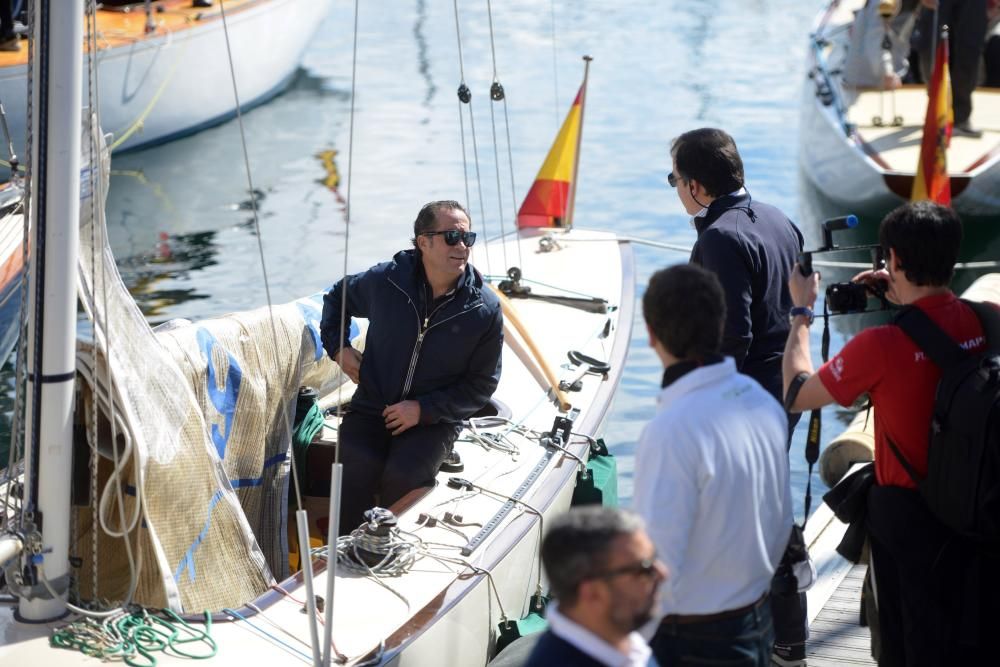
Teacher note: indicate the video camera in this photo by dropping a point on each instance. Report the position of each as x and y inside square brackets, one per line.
[848, 297]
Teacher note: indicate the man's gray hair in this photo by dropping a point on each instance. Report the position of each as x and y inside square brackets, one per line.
[577, 546]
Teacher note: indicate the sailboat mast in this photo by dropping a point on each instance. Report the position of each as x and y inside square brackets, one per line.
[579, 139]
[51, 355]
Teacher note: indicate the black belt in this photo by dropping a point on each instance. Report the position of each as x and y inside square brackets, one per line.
[682, 619]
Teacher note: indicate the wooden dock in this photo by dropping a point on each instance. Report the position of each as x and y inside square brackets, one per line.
[835, 635]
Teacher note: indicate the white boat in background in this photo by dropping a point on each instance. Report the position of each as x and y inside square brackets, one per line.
[182, 439]
[854, 152]
[171, 80]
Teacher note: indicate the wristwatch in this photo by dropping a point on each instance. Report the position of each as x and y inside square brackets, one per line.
[801, 310]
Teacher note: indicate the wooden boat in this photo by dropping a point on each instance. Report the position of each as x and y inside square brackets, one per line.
[854, 152]
[165, 75]
[186, 503]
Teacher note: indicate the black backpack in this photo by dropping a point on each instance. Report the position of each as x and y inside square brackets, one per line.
[962, 487]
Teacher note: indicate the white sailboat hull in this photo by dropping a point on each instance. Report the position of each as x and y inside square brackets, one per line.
[859, 164]
[160, 87]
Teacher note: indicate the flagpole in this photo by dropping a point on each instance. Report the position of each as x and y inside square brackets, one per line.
[934, 41]
[579, 140]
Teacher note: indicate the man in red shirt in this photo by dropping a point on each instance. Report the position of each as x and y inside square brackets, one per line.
[915, 560]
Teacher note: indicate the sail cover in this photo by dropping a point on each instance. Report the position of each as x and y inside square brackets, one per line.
[206, 408]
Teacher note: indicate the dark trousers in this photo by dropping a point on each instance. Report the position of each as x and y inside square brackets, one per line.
[966, 21]
[936, 595]
[741, 641]
[380, 468]
[788, 609]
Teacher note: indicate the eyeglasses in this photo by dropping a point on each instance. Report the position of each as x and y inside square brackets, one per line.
[644, 568]
[453, 236]
[672, 180]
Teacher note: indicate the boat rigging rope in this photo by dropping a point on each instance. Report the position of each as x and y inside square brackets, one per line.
[555, 65]
[465, 97]
[497, 94]
[285, 421]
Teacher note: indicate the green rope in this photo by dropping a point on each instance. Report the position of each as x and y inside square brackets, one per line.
[303, 436]
[135, 637]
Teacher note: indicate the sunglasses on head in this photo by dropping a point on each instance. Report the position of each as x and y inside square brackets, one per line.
[644, 568]
[453, 236]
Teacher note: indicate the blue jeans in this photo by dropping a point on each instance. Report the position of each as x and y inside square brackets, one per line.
[740, 641]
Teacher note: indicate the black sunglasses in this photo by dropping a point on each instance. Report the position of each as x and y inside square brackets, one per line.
[672, 180]
[644, 568]
[453, 236]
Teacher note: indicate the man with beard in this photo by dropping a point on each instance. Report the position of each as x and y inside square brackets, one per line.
[711, 481]
[604, 574]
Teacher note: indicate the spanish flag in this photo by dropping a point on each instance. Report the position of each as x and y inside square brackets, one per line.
[549, 203]
[932, 180]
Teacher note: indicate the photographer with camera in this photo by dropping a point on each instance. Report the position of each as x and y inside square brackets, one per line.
[924, 601]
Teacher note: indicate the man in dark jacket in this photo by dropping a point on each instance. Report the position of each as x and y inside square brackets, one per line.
[432, 359]
[605, 575]
[751, 247]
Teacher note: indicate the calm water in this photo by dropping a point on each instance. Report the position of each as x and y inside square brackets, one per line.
[179, 214]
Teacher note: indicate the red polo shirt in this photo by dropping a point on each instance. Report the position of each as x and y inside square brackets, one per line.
[901, 382]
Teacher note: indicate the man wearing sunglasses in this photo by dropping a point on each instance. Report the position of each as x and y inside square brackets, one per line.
[604, 574]
[431, 359]
[751, 247]
[711, 482]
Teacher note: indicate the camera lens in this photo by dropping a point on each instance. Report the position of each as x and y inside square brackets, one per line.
[846, 298]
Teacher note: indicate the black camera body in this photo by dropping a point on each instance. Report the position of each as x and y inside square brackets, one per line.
[848, 297]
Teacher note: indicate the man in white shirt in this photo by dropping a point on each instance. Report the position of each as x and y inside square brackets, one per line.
[604, 574]
[711, 480]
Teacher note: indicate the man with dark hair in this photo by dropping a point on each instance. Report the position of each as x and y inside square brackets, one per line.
[416, 380]
[918, 563]
[604, 575]
[751, 247]
[711, 481]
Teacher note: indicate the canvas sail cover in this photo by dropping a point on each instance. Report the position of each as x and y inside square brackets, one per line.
[206, 411]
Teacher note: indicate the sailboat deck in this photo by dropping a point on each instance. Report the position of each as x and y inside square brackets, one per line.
[899, 146]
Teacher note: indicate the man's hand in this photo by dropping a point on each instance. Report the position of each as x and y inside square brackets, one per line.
[349, 361]
[803, 288]
[877, 282]
[401, 416]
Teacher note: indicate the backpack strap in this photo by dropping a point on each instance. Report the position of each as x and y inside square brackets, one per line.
[929, 337]
[989, 318]
[910, 470]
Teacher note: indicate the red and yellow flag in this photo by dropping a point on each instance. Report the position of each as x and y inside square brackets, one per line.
[932, 180]
[549, 203]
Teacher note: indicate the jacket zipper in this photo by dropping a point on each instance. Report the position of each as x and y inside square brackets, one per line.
[421, 332]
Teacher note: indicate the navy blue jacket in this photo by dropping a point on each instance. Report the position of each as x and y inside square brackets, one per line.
[752, 255]
[446, 355]
[552, 650]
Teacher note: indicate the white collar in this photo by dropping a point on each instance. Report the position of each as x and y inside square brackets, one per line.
[698, 377]
[585, 640]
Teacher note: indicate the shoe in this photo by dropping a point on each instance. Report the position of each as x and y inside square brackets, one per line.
[965, 129]
[789, 655]
[11, 44]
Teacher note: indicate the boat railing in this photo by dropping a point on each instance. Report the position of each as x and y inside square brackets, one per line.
[828, 91]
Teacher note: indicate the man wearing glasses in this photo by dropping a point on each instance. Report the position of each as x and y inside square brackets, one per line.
[604, 574]
[711, 481]
[751, 247]
[431, 359]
